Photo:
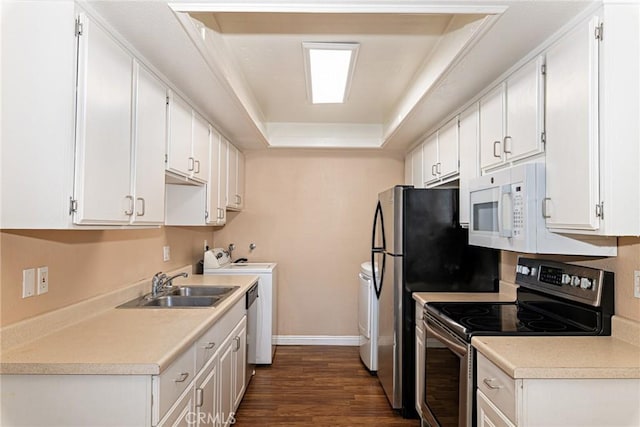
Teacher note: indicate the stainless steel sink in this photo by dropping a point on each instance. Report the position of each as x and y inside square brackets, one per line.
[181, 301]
[196, 291]
[183, 297]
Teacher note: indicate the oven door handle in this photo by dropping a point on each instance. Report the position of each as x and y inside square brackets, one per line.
[441, 335]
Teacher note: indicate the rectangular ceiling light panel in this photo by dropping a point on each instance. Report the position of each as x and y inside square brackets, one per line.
[328, 70]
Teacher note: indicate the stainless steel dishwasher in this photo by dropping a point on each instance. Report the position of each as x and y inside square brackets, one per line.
[252, 331]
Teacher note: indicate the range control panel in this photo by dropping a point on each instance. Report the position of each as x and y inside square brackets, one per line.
[578, 283]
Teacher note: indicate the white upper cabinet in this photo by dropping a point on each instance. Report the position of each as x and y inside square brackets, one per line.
[511, 117]
[188, 143]
[217, 213]
[103, 144]
[235, 178]
[469, 164]
[440, 154]
[413, 167]
[592, 154]
[149, 142]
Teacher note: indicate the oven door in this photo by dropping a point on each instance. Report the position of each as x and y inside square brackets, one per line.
[448, 396]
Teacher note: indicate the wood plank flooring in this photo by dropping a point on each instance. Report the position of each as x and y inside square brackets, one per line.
[316, 386]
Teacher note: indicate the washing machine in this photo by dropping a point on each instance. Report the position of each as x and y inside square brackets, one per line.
[218, 261]
[368, 317]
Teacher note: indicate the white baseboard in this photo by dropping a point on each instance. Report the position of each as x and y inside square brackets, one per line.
[345, 340]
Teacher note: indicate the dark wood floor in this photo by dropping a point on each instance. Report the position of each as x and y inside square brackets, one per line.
[316, 386]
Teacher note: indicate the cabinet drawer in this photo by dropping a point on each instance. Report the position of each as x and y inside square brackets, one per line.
[169, 385]
[499, 387]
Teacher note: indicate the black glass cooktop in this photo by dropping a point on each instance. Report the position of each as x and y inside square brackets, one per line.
[472, 318]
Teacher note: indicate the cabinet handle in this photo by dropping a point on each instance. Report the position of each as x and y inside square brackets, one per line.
[197, 163]
[545, 211]
[183, 377]
[191, 164]
[496, 144]
[433, 170]
[237, 343]
[199, 398]
[130, 210]
[209, 345]
[240, 199]
[438, 171]
[489, 383]
[142, 205]
[507, 138]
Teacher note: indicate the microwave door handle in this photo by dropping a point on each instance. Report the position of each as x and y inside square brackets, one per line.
[506, 211]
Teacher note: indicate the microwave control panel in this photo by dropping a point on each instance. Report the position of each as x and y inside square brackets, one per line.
[518, 209]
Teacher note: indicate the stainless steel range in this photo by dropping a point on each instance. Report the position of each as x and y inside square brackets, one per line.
[553, 299]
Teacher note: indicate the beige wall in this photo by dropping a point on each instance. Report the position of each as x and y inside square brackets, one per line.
[83, 264]
[312, 212]
[623, 266]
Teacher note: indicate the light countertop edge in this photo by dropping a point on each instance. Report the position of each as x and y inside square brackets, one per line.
[507, 293]
[123, 341]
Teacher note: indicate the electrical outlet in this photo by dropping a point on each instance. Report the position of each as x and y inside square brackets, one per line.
[43, 280]
[28, 282]
[166, 253]
[636, 283]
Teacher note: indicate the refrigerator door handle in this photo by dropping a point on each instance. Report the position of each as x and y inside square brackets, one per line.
[378, 249]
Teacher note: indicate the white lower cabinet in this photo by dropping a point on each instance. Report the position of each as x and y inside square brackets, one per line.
[420, 359]
[524, 402]
[203, 386]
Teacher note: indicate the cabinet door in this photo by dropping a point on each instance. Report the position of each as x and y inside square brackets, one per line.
[207, 395]
[200, 153]
[150, 139]
[232, 176]
[226, 381]
[524, 111]
[240, 170]
[488, 415]
[179, 159]
[469, 164]
[492, 127]
[448, 149]
[240, 362]
[430, 158]
[215, 211]
[223, 176]
[103, 145]
[417, 167]
[419, 361]
[572, 173]
[182, 412]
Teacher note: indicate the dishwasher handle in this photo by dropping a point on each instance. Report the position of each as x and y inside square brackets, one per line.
[252, 295]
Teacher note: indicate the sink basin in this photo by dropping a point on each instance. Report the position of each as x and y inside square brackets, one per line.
[182, 301]
[184, 297]
[196, 291]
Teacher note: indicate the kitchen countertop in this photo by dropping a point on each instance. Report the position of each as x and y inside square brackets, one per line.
[123, 341]
[507, 294]
[562, 357]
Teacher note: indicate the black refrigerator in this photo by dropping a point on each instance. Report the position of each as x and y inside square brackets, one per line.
[419, 246]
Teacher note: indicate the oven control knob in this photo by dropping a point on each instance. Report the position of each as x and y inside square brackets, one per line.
[524, 270]
[566, 279]
[585, 283]
[575, 281]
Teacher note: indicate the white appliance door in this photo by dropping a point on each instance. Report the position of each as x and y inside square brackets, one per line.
[364, 306]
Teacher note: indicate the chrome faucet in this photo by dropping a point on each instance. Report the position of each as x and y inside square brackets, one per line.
[161, 282]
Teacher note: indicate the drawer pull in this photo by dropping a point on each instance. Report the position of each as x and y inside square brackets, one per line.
[209, 345]
[489, 383]
[183, 377]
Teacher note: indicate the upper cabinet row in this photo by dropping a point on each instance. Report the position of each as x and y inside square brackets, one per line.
[573, 106]
[98, 156]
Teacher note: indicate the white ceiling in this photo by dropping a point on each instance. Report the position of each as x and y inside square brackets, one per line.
[241, 62]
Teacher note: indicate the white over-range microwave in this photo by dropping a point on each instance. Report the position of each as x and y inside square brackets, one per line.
[506, 213]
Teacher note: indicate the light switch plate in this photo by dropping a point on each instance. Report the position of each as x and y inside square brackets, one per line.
[166, 253]
[636, 283]
[28, 282]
